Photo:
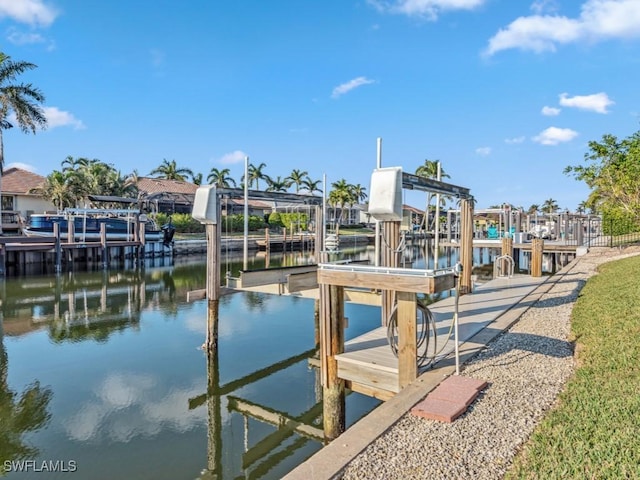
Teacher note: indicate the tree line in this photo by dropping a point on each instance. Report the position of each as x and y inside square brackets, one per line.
[611, 169]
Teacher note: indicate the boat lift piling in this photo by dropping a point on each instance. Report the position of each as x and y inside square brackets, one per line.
[399, 287]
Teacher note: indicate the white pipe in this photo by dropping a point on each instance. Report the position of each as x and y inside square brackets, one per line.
[324, 209]
[377, 238]
[245, 249]
[455, 323]
[437, 224]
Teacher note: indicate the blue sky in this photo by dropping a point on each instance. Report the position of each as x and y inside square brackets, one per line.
[504, 93]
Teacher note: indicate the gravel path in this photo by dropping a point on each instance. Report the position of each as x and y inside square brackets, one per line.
[526, 368]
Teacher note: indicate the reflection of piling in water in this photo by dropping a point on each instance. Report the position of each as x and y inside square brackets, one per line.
[214, 415]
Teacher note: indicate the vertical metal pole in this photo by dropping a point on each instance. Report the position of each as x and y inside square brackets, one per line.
[455, 323]
[377, 239]
[437, 225]
[324, 210]
[245, 249]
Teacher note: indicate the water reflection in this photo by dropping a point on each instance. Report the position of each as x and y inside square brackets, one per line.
[130, 393]
[20, 413]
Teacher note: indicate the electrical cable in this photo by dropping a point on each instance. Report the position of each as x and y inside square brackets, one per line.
[426, 328]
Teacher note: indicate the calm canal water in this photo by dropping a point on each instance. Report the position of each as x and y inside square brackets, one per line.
[102, 373]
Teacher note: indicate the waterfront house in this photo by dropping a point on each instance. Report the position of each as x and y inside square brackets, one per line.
[17, 199]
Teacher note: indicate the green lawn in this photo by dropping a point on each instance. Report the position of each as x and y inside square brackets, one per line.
[594, 433]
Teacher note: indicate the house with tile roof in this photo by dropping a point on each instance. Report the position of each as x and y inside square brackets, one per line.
[175, 196]
[17, 199]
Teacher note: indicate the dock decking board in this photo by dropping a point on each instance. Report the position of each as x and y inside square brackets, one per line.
[368, 359]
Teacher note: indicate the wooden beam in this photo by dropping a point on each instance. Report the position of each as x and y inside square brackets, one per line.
[297, 282]
[370, 391]
[255, 278]
[387, 281]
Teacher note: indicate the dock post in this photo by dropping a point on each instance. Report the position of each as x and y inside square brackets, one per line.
[466, 244]
[267, 240]
[213, 281]
[103, 245]
[537, 248]
[58, 247]
[407, 346]
[71, 237]
[142, 239]
[332, 344]
[316, 322]
[318, 240]
[507, 249]
[391, 233]
[3, 261]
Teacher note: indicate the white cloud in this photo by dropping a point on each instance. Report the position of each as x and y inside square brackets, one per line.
[483, 151]
[514, 140]
[541, 6]
[236, 156]
[424, 8]
[32, 12]
[128, 405]
[598, 20]
[60, 118]
[555, 135]
[17, 37]
[550, 111]
[350, 85]
[598, 102]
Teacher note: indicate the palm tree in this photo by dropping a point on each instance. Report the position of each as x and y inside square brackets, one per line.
[430, 170]
[312, 185]
[359, 193]
[196, 178]
[22, 99]
[169, 170]
[57, 190]
[550, 206]
[277, 184]
[341, 195]
[533, 209]
[297, 178]
[220, 178]
[255, 175]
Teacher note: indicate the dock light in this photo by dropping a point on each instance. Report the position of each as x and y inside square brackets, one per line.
[205, 205]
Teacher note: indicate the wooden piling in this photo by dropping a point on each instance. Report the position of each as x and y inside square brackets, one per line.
[103, 245]
[507, 249]
[390, 256]
[537, 248]
[58, 247]
[407, 347]
[316, 322]
[466, 245]
[213, 232]
[333, 395]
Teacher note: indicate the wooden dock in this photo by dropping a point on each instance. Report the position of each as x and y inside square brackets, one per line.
[17, 250]
[549, 245]
[368, 364]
